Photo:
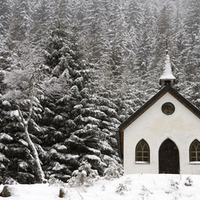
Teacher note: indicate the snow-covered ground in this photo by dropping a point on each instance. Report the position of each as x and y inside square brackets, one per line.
[129, 187]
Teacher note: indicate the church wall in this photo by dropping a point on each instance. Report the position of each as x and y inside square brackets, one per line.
[182, 127]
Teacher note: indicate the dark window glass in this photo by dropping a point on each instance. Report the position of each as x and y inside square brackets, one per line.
[142, 151]
[168, 108]
[195, 151]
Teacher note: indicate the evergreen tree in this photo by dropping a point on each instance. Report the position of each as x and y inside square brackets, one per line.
[64, 62]
[21, 166]
[19, 26]
[62, 10]
[134, 13]
[93, 26]
[40, 22]
[163, 37]
[145, 40]
[190, 54]
[5, 16]
[86, 122]
[5, 57]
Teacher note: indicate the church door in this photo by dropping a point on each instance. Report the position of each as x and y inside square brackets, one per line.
[169, 158]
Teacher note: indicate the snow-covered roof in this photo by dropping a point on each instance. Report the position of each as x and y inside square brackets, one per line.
[167, 75]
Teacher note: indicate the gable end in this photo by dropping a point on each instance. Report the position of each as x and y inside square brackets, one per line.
[147, 105]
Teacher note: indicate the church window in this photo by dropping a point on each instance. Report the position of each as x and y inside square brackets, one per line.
[195, 151]
[168, 108]
[142, 152]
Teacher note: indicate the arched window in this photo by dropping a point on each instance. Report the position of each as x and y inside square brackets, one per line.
[142, 153]
[195, 151]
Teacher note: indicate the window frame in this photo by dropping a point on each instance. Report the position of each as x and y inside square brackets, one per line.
[196, 152]
[142, 155]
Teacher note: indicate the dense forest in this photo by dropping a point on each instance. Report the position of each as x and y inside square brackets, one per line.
[75, 69]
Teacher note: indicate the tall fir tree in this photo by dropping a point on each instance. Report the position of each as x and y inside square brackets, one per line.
[21, 165]
[20, 22]
[190, 54]
[5, 16]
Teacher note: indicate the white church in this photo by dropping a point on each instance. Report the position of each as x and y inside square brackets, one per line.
[163, 136]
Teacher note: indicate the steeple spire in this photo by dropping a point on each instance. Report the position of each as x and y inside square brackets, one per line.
[167, 78]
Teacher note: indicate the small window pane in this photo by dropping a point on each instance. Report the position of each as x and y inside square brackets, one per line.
[193, 148]
[145, 148]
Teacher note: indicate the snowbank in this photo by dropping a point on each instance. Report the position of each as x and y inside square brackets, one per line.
[129, 187]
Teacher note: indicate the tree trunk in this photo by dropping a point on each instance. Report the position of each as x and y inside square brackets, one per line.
[39, 171]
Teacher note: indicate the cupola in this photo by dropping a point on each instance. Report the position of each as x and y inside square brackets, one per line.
[167, 78]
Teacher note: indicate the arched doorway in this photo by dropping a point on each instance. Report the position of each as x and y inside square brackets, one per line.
[169, 158]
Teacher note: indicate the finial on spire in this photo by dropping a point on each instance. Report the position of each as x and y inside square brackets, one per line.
[167, 78]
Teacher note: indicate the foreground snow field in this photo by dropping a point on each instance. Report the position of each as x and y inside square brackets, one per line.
[128, 187]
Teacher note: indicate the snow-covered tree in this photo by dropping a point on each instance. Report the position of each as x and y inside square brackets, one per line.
[40, 22]
[190, 53]
[5, 16]
[64, 61]
[19, 25]
[83, 176]
[27, 81]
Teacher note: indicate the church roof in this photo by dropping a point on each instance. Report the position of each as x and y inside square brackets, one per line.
[147, 105]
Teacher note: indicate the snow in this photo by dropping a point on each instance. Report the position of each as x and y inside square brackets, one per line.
[141, 162]
[61, 147]
[58, 167]
[58, 118]
[14, 113]
[23, 165]
[93, 157]
[3, 158]
[6, 103]
[167, 73]
[128, 187]
[23, 142]
[194, 163]
[5, 136]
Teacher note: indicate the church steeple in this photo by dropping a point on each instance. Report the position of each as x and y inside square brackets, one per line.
[167, 78]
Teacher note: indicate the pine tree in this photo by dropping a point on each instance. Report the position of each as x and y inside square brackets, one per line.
[20, 21]
[190, 54]
[134, 14]
[5, 16]
[64, 62]
[144, 45]
[5, 57]
[22, 159]
[93, 26]
[40, 22]
[163, 37]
